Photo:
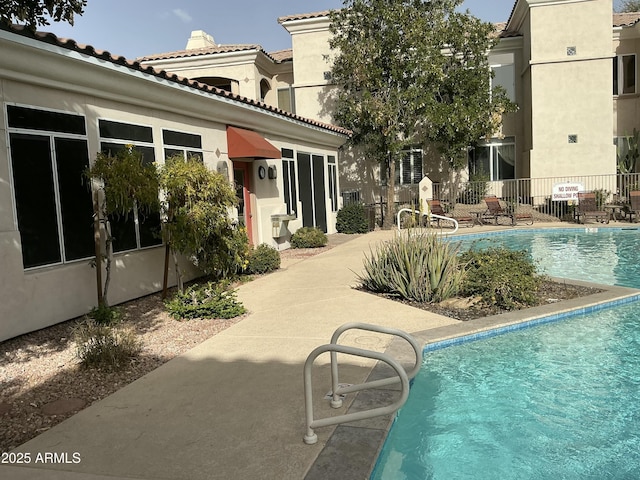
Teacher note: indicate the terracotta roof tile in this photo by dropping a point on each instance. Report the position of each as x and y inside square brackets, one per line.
[304, 16]
[282, 55]
[625, 19]
[136, 65]
[195, 52]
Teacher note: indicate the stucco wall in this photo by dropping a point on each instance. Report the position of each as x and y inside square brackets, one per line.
[65, 81]
[571, 91]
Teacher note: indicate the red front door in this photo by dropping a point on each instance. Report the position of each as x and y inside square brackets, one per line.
[241, 176]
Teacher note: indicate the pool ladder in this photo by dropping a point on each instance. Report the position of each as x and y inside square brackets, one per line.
[337, 390]
[431, 216]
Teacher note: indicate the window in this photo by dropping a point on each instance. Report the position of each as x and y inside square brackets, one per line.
[49, 155]
[409, 168]
[289, 181]
[264, 89]
[503, 69]
[495, 159]
[185, 144]
[287, 99]
[333, 182]
[135, 230]
[624, 74]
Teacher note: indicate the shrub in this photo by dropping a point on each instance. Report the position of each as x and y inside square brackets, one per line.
[502, 277]
[105, 347]
[308, 237]
[352, 219]
[263, 259]
[105, 315]
[210, 300]
[415, 266]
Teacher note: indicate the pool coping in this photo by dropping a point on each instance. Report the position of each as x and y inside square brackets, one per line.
[353, 448]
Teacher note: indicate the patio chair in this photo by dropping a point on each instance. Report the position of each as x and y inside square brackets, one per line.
[634, 204]
[495, 211]
[435, 207]
[588, 209]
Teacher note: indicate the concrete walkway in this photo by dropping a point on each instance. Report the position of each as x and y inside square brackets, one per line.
[233, 407]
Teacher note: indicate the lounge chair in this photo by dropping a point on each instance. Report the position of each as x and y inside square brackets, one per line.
[588, 209]
[435, 207]
[495, 212]
[634, 204]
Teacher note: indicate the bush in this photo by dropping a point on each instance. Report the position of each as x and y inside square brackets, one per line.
[308, 237]
[210, 300]
[502, 277]
[105, 347]
[105, 315]
[352, 219]
[263, 259]
[415, 266]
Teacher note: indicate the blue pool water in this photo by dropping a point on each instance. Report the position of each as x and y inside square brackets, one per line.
[610, 257]
[559, 401]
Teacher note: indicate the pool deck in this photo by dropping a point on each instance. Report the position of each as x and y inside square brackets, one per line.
[233, 407]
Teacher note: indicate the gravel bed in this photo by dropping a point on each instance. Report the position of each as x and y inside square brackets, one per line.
[41, 367]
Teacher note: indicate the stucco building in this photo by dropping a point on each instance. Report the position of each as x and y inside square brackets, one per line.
[62, 102]
[570, 65]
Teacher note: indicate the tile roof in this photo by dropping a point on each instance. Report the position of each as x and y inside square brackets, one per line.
[196, 52]
[625, 19]
[304, 16]
[69, 44]
[282, 55]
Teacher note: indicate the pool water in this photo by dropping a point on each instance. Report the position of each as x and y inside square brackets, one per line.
[559, 401]
[610, 257]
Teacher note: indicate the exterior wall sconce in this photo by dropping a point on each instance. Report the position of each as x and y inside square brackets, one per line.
[273, 173]
[223, 169]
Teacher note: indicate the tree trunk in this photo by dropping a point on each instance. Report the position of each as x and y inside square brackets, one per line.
[98, 249]
[387, 224]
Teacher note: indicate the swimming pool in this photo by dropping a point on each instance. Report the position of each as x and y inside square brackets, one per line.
[557, 401]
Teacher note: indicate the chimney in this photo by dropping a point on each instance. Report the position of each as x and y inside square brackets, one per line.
[200, 39]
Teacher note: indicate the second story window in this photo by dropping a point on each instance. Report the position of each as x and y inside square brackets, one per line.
[624, 74]
[287, 99]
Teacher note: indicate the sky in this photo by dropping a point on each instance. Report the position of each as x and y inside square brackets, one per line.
[135, 28]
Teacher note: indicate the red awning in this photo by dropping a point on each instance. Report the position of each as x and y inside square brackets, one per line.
[248, 144]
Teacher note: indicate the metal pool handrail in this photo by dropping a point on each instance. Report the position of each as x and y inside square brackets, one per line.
[431, 216]
[402, 376]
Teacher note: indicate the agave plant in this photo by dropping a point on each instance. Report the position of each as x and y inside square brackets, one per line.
[416, 266]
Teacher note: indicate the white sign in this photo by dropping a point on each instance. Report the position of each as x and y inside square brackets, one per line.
[563, 192]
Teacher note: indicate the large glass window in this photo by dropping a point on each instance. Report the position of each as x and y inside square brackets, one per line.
[49, 155]
[495, 159]
[289, 181]
[136, 229]
[179, 143]
[624, 74]
[409, 167]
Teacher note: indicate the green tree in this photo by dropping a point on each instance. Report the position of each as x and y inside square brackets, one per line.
[625, 6]
[126, 183]
[413, 71]
[38, 12]
[196, 206]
